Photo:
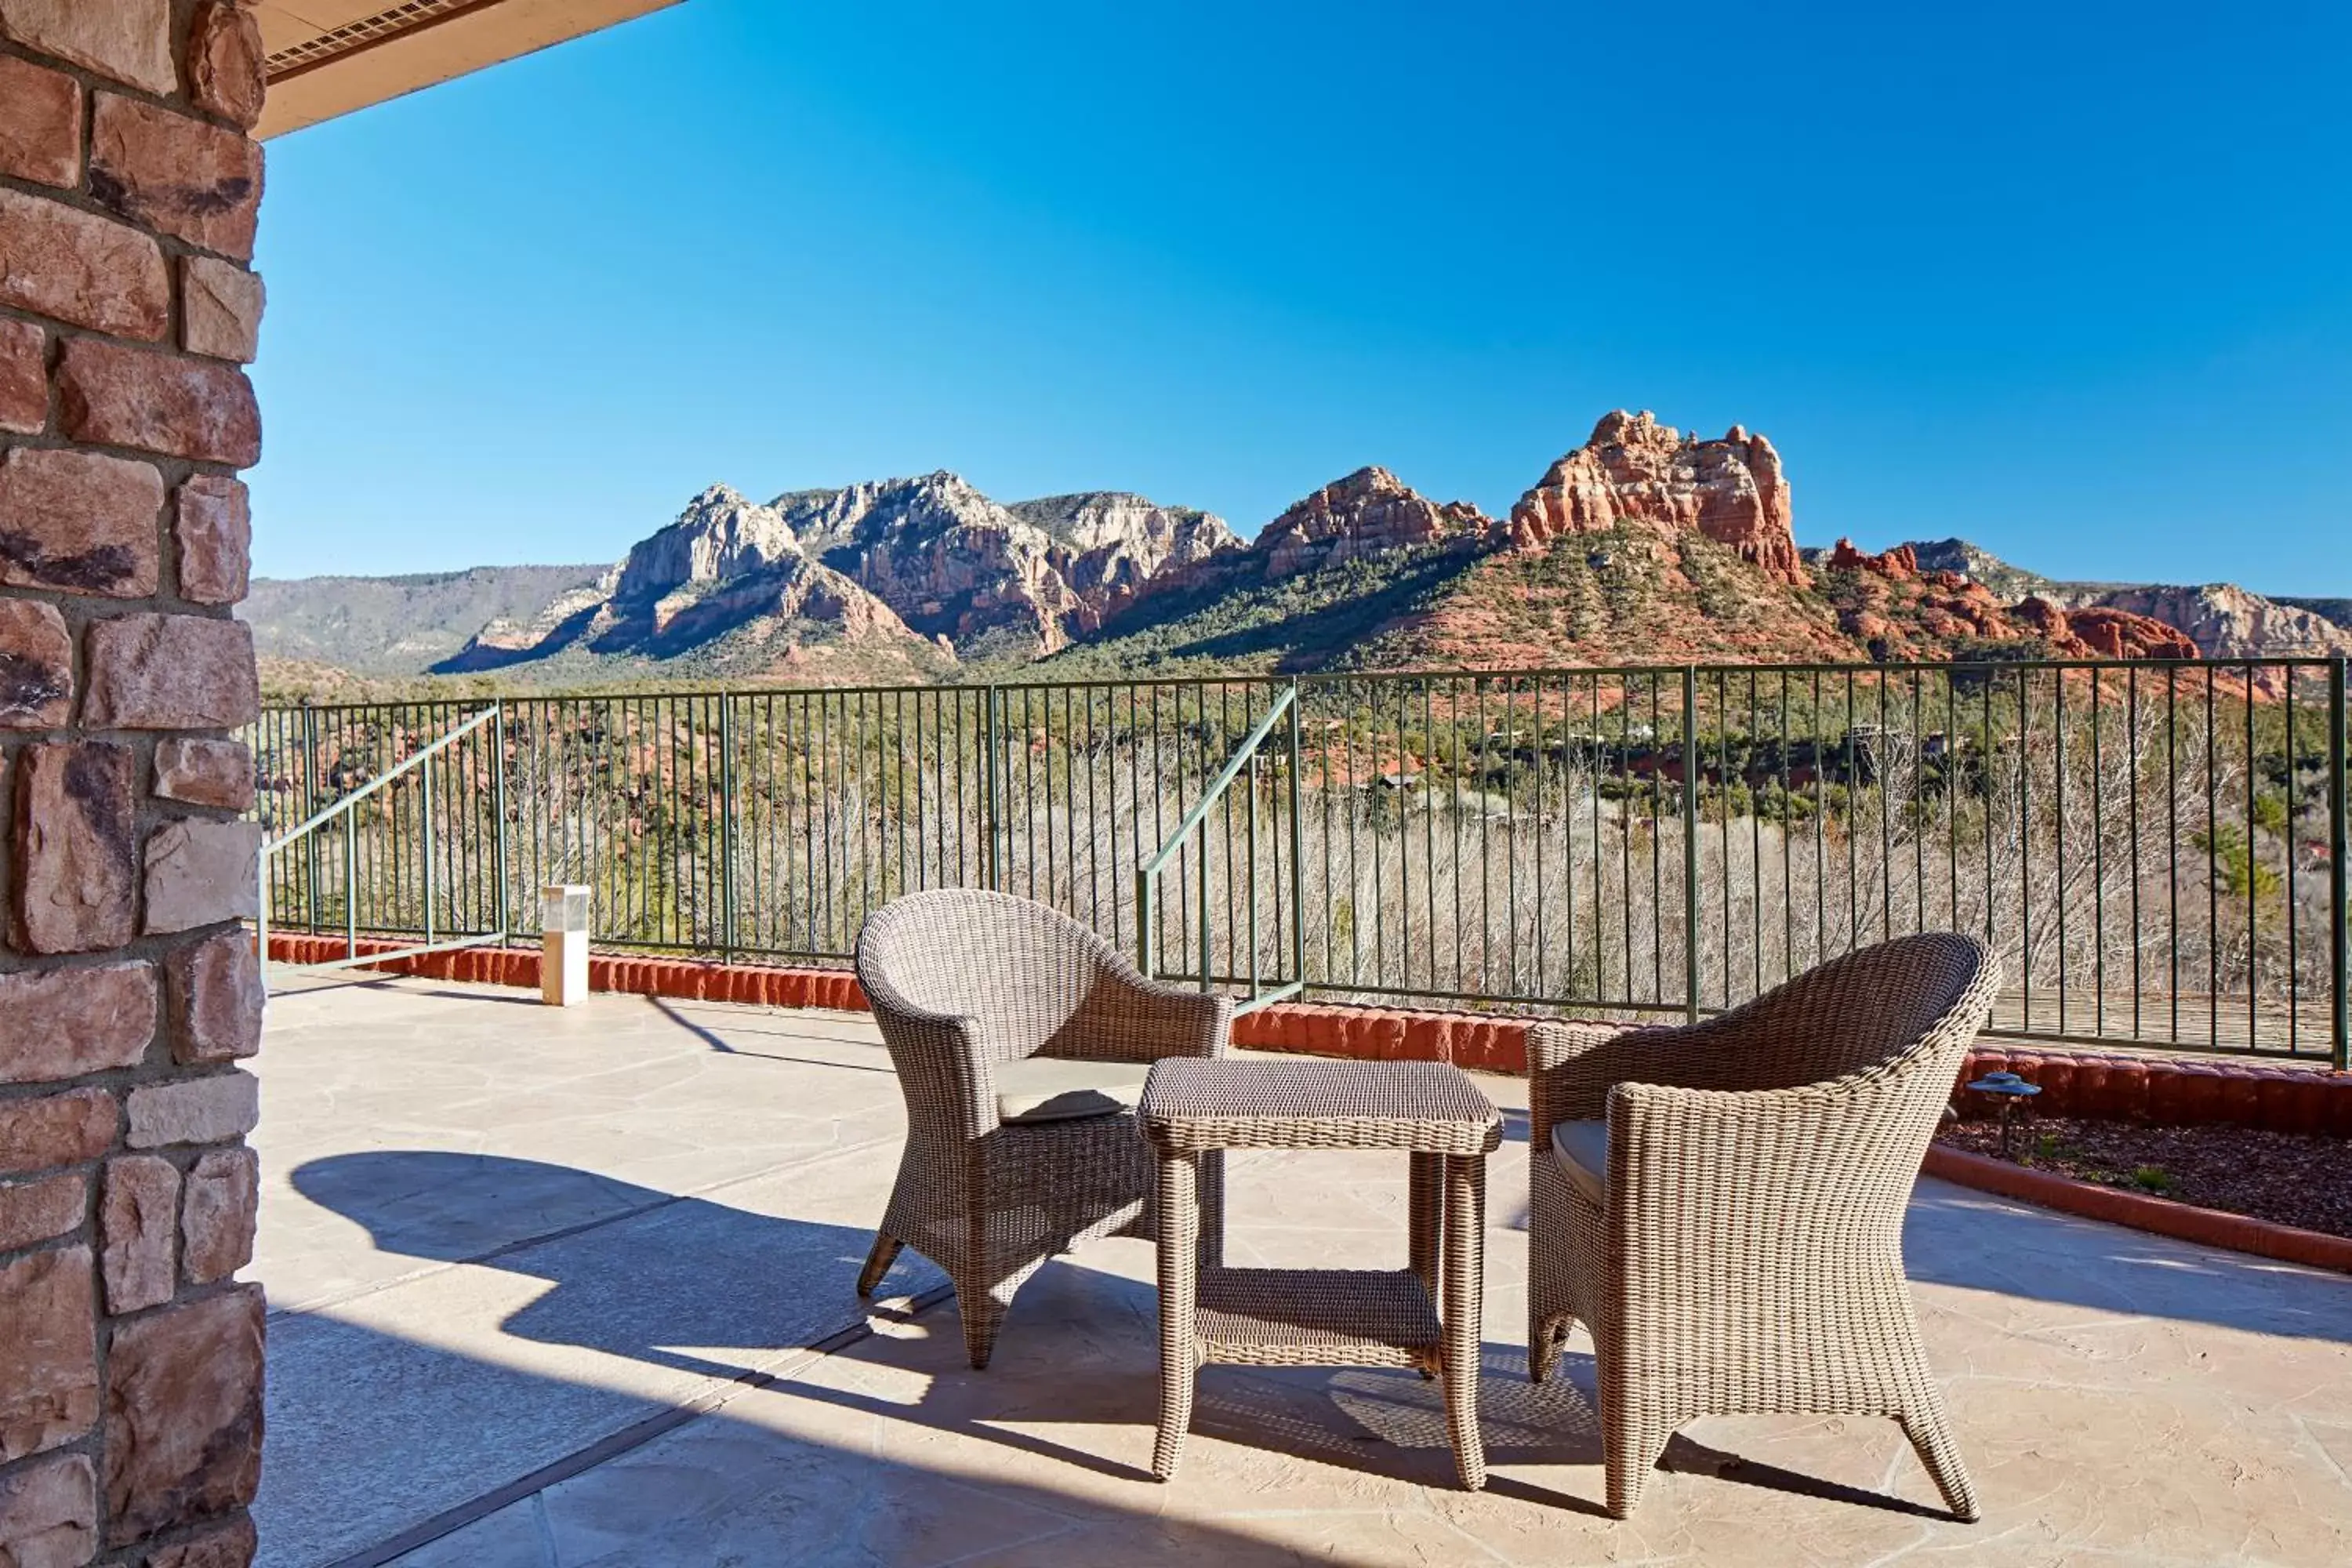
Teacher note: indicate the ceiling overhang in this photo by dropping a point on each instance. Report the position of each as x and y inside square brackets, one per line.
[328, 58]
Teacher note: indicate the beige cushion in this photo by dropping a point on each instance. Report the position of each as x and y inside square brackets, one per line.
[1052, 1089]
[1582, 1150]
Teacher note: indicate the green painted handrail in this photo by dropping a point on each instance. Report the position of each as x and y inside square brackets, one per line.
[1146, 875]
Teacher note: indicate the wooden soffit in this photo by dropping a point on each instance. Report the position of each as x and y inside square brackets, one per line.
[330, 57]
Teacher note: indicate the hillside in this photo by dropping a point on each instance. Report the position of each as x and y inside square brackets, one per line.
[396, 625]
[2338, 611]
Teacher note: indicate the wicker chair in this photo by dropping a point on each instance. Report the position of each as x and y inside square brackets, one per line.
[1731, 1232]
[1020, 1040]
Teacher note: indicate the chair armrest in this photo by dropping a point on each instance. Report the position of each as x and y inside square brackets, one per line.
[945, 1061]
[1712, 1184]
[1127, 1018]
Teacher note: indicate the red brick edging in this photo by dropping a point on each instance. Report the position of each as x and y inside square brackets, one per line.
[2184, 1221]
[693, 980]
[1375, 1034]
[2115, 1087]
[2171, 1092]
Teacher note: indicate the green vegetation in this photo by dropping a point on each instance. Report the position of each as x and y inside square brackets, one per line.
[1336, 617]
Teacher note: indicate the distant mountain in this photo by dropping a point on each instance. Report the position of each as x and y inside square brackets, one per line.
[396, 625]
[2222, 620]
[1643, 545]
[2226, 621]
[893, 579]
[2339, 611]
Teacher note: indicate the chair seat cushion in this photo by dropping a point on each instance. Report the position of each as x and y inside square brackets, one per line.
[1054, 1089]
[1582, 1150]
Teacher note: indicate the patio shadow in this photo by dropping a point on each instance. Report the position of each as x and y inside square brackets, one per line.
[1973, 1241]
[719, 1294]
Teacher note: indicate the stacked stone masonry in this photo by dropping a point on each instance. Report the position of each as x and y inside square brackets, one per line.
[131, 1354]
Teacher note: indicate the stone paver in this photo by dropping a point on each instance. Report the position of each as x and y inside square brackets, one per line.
[494, 1234]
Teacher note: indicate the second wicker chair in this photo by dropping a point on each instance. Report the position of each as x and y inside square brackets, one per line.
[1020, 1040]
[1722, 1203]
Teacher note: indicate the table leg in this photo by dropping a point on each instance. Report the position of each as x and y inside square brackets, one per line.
[1180, 1283]
[1464, 1308]
[1213, 1209]
[1424, 1216]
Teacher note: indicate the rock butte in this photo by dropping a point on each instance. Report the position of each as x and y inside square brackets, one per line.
[1636, 471]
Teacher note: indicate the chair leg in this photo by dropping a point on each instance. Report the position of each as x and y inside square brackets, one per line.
[1631, 1449]
[1547, 1337]
[982, 1309]
[1633, 1433]
[1931, 1434]
[877, 1262]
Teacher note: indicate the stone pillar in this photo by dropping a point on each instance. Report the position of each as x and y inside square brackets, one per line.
[129, 1353]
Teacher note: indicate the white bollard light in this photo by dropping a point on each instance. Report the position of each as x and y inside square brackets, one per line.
[564, 951]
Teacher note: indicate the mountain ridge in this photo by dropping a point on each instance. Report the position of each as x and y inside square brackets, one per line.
[1642, 543]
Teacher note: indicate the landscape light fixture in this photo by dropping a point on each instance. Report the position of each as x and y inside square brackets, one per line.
[563, 945]
[2013, 1091]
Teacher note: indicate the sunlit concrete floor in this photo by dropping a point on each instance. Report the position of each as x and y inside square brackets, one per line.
[562, 1288]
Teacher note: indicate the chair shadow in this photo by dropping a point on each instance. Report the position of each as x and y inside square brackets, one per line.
[720, 1292]
[725, 1046]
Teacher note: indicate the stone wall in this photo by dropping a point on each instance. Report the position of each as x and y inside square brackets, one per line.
[130, 1357]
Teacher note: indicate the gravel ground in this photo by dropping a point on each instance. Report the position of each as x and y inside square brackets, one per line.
[2285, 1177]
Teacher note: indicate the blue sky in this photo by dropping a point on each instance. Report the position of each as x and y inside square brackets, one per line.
[2073, 280]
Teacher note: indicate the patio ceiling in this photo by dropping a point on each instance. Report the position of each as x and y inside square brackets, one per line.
[328, 58]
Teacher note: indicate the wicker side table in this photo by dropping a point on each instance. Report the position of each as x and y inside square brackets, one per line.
[1426, 1316]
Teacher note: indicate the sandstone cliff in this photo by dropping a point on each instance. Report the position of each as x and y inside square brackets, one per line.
[718, 535]
[1370, 512]
[910, 570]
[1110, 545]
[1636, 471]
[728, 581]
[2227, 622]
[1020, 579]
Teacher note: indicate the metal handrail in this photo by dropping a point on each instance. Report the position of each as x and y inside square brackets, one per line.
[352, 957]
[1146, 875]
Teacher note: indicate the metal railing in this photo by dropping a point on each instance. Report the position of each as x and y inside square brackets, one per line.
[1182, 842]
[2157, 850]
[429, 860]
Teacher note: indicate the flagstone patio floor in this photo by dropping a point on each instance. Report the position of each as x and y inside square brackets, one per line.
[560, 1287]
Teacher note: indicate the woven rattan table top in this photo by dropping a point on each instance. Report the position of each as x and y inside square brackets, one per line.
[1191, 1104]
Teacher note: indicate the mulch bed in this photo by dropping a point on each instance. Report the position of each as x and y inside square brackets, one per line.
[2286, 1178]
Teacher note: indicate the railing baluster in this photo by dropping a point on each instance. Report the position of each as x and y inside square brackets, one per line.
[2339, 843]
[1690, 842]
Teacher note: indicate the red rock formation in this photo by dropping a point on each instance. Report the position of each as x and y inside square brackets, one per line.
[1637, 471]
[2098, 632]
[1900, 564]
[1370, 512]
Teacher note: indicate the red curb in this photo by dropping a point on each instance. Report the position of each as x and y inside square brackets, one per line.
[2183, 1222]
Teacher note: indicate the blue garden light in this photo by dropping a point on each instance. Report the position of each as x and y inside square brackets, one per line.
[2012, 1090]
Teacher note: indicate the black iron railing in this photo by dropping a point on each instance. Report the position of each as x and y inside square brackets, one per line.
[2156, 849]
